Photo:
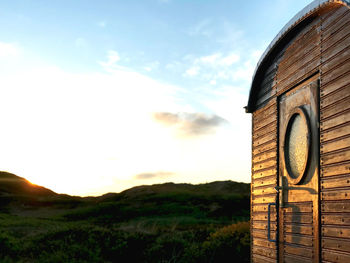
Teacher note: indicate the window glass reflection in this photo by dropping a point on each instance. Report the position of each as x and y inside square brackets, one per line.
[296, 143]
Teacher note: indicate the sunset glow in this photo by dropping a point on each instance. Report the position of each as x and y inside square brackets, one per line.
[114, 94]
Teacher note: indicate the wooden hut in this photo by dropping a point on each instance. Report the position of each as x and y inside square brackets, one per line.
[300, 105]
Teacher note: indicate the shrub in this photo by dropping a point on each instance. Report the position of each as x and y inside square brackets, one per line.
[227, 244]
[8, 246]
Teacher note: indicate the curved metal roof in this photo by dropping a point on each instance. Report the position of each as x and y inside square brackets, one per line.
[309, 10]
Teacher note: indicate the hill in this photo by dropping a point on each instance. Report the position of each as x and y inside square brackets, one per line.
[17, 192]
[13, 185]
[157, 223]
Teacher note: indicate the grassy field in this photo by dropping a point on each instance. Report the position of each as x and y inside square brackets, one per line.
[159, 223]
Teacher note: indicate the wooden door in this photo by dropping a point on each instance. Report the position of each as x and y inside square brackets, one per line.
[298, 188]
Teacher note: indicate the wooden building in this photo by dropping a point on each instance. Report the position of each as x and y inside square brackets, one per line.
[300, 105]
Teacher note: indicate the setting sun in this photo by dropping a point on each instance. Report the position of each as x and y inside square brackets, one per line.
[102, 101]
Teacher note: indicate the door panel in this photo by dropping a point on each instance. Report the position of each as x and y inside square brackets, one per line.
[299, 173]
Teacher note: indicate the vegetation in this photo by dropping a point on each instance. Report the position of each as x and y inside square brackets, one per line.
[159, 223]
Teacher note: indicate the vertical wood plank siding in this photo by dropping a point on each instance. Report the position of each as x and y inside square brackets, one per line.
[335, 136]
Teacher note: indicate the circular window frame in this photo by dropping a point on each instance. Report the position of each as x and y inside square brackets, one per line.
[302, 113]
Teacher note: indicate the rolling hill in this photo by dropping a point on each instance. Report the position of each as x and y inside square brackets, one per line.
[156, 223]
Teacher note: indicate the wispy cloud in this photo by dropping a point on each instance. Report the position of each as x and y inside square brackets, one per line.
[151, 66]
[111, 61]
[153, 175]
[190, 124]
[192, 71]
[211, 66]
[202, 28]
[218, 60]
[234, 66]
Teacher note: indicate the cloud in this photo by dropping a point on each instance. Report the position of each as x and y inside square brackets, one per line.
[237, 67]
[151, 66]
[190, 124]
[153, 175]
[193, 71]
[212, 67]
[8, 50]
[112, 58]
[217, 59]
[201, 29]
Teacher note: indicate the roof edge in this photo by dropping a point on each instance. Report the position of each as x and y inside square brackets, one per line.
[302, 15]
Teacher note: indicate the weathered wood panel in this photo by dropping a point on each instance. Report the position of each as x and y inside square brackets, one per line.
[298, 229]
[322, 46]
[336, 156]
[265, 147]
[338, 194]
[336, 244]
[336, 144]
[335, 56]
[329, 206]
[340, 104]
[261, 259]
[269, 121]
[335, 219]
[262, 208]
[266, 164]
[301, 59]
[264, 156]
[261, 180]
[266, 252]
[336, 231]
[336, 96]
[264, 174]
[265, 199]
[295, 259]
[299, 239]
[341, 81]
[333, 17]
[301, 218]
[298, 207]
[263, 216]
[340, 131]
[336, 72]
[298, 250]
[263, 190]
[262, 242]
[335, 256]
[269, 136]
[335, 182]
[336, 169]
[263, 226]
[264, 179]
[332, 38]
[336, 120]
[264, 112]
[261, 233]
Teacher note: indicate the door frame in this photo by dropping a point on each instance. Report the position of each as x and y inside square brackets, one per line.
[315, 148]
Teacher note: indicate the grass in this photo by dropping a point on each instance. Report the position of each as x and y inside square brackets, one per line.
[161, 223]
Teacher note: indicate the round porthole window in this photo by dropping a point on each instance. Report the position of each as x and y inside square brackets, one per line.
[297, 145]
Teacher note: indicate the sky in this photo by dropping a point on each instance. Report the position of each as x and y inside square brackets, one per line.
[101, 96]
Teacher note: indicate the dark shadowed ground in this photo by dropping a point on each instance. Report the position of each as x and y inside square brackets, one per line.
[158, 223]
